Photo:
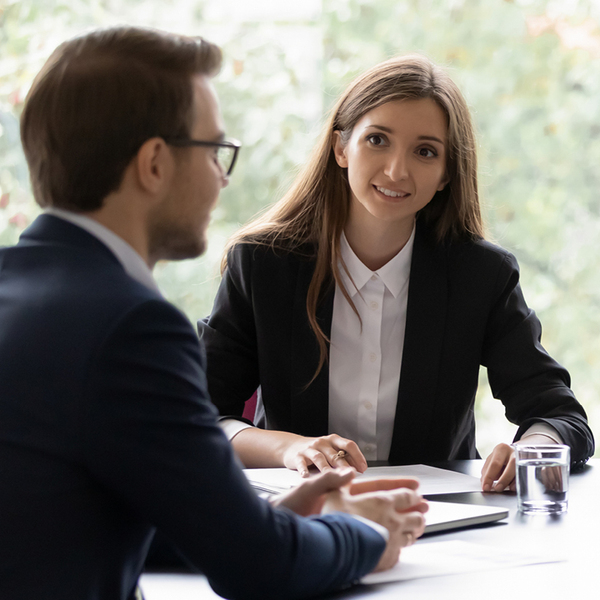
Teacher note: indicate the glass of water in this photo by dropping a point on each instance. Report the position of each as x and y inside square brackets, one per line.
[542, 478]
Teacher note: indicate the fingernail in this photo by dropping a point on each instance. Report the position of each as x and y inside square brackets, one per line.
[498, 487]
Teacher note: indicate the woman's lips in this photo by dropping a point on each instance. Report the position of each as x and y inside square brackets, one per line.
[391, 193]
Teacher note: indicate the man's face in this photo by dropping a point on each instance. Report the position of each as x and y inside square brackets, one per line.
[178, 225]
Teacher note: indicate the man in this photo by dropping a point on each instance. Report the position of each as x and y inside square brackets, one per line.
[106, 431]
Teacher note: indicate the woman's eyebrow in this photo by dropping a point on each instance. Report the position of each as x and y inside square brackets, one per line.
[382, 128]
[432, 138]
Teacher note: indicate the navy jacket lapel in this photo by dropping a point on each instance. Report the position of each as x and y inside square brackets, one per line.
[423, 341]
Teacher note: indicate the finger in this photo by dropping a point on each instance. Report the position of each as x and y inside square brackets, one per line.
[354, 456]
[404, 499]
[390, 483]
[335, 457]
[301, 466]
[421, 507]
[331, 480]
[414, 523]
[308, 497]
[507, 476]
[490, 474]
[495, 465]
[340, 463]
[318, 459]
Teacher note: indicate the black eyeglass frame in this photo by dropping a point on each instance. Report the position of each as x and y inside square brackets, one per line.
[227, 143]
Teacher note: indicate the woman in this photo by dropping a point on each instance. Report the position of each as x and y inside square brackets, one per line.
[364, 302]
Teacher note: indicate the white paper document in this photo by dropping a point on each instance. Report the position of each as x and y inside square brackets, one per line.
[433, 480]
[453, 557]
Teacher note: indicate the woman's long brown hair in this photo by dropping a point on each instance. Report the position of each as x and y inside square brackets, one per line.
[315, 209]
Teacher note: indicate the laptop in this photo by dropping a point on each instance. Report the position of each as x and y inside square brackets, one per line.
[443, 516]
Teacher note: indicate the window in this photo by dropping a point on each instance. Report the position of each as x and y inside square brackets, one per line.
[530, 70]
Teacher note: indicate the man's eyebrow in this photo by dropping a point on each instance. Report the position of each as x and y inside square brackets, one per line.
[432, 138]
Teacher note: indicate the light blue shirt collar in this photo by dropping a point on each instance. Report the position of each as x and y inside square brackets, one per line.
[131, 261]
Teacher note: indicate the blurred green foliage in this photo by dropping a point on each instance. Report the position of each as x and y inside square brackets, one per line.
[530, 70]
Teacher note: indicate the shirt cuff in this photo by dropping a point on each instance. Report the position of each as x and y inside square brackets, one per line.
[231, 427]
[543, 429]
[380, 529]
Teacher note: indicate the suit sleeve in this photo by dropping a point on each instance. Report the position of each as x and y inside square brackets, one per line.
[532, 386]
[150, 436]
[229, 337]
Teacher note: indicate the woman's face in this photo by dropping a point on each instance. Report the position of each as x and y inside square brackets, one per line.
[396, 160]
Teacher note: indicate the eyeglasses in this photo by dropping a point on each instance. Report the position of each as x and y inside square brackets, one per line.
[226, 151]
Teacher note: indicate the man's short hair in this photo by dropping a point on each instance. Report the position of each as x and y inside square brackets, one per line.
[97, 99]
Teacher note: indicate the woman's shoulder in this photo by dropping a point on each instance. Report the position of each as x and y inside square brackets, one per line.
[465, 247]
[267, 250]
[487, 250]
[482, 260]
[491, 252]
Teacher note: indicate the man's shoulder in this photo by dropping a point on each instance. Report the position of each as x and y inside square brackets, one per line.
[76, 290]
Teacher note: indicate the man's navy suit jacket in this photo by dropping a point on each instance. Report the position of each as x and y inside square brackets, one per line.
[106, 433]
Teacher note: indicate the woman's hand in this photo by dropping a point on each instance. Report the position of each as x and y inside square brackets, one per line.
[498, 471]
[260, 448]
[499, 466]
[325, 453]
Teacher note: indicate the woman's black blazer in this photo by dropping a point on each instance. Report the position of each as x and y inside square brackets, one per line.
[465, 309]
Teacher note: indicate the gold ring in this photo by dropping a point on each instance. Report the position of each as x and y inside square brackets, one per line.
[340, 454]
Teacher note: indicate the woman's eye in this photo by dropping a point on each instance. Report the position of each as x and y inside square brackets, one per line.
[376, 140]
[426, 152]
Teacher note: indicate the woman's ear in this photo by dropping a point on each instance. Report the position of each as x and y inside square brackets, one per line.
[444, 182]
[339, 150]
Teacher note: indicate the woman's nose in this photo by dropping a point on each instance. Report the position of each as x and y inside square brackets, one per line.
[397, 167]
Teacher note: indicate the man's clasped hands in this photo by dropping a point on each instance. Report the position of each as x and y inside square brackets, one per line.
[392, 503]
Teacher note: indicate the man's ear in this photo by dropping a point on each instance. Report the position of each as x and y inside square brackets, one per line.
[339, 150]
[154, 165]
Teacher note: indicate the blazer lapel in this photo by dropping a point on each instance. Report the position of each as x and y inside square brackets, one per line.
[424, 336]
[309, 405]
